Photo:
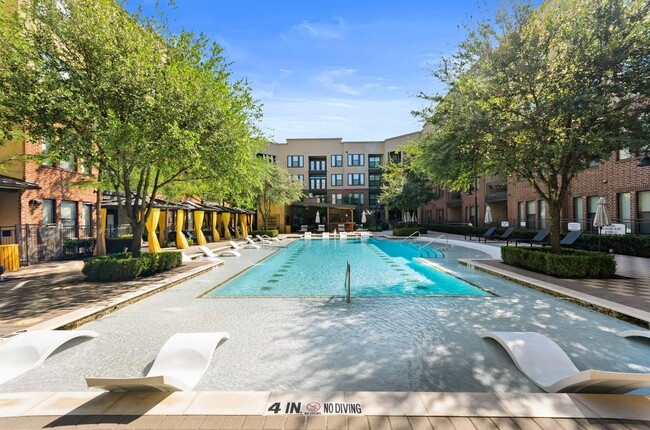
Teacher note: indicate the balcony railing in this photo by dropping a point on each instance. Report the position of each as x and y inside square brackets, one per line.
[496, 192]
[454, 199]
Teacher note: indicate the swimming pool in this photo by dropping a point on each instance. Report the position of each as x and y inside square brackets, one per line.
[316, 268]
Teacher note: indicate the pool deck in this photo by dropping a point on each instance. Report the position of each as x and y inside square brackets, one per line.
[54, 295]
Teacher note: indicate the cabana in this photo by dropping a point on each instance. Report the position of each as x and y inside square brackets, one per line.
[331, 215]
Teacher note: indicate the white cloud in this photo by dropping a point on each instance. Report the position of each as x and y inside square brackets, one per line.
[346, 81]
[322, 31]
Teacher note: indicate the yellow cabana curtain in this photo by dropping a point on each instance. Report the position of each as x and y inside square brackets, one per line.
[162, 227]
[181, 240]
[152, 222]
[225, 221]
[215, 233]
[198, 223]
[102, 231]
[242, 223]
[250, 222]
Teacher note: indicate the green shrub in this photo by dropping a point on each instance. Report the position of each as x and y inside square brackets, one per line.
[570, 264]
[628, 244]
[407, 231]
[269, 233]
[124, 267]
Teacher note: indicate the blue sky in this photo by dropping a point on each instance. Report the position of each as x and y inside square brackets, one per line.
[349, 69]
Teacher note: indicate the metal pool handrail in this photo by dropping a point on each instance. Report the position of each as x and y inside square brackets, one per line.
[410, 236]
[436, 249]
[347, 283]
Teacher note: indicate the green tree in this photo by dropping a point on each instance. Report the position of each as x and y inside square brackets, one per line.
[403, 188]
[144, 107]
[278, 188]
[539, 95]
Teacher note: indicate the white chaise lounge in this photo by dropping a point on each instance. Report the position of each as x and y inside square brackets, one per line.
[251, 244]
[548, 366]
[343, 235]
[209, 254]
[307, 235]
[231, 252]
[634, 333]
[267, 241]
[28, 350]
[179, 365]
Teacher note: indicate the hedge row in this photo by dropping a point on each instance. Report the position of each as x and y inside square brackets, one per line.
[269, 233]
[407, 231]
[125, 267]
[570, 264]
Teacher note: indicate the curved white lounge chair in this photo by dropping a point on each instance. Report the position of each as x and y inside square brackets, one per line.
[28, 350]
[251, 244]
[343, 235]
[231, 252]
[209, 254]
[179, 365]
[548, 366]
[307, 235]
[634, 333]
[326, 235]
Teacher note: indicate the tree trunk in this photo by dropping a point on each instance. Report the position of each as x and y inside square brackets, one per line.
[99, 243]
[554, 209]
[136, 243]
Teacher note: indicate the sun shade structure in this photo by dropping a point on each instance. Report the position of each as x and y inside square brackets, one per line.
[548, 366]
[28, 350]
[179, 366]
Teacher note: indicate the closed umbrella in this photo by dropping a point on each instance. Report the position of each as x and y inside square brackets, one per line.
[317, 217]
[601, 219]
[363, 217]
[488, 215]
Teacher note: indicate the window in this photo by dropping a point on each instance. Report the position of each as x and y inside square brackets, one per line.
[373, 200]
[86, 219]
[68, 164]
[69, 219]
[295, 161]
[470, 213]
[337, 180]
[356, 179]
[531, 214]
[317, 183]
[521, 215]
[624, 154]
[356, 198]
[374, 161]
[336, 160]
[317, 165]
[299, 177]
[395, 156]
[48, 211]
[337, 199]
[624, 209]
[593, 163]
[374, 181]
[85, 167]
[45, 147]
[592, 205]
[542, 214]
[355, 159]
[578, 210]
[643, 203]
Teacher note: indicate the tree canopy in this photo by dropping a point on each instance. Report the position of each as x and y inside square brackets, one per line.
[538, 95]
[402, 188]
[277, 188]
[144, 107]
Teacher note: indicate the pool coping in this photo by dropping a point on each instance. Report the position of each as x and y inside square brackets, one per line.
[608, 307]
[256, 403]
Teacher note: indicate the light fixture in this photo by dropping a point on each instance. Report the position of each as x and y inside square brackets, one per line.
[645, 161]
[35, 202]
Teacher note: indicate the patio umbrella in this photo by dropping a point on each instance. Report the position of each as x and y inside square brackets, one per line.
[488, 215]
[317, 217]
[363, 217]
[601, 219]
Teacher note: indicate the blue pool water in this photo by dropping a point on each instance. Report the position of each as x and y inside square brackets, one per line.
[316, 268]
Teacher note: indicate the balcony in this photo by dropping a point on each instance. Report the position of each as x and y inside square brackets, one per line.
[496, 192]
[317, 191]
[454, 199]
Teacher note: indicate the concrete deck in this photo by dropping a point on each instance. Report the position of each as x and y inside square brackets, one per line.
[54, 295]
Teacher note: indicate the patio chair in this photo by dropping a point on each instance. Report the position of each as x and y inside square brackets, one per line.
[503, 237]
[343, 235]
[251, 244]
[209, 254]
[488, 233]
[341, 227]
[303, 228]
[28, 350]
[231, 252]
[548, 366]
[539, 238]
[326, 235]
[570, 238]
[267, 241]
[321, 228]
[307, 235]
[179, 365]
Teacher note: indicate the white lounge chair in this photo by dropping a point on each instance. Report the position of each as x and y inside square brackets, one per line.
[303, 228]
[185, 258]
[634, 333]
[548, 366]
[326, 235]
[321, 228]
[209, 254]
[28, 350]
[267, 240]
[179, 365]
[251, 244]
[231, 252]
[306, 235]
[343, 235]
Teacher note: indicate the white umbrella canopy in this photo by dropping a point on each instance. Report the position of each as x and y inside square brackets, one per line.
[317, 217]
[601, 219]
[363, 217]
[488, 214]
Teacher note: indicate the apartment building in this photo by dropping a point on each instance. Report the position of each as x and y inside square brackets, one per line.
[338, 172]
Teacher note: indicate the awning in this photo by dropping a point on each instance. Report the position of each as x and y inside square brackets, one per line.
[7, 183]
